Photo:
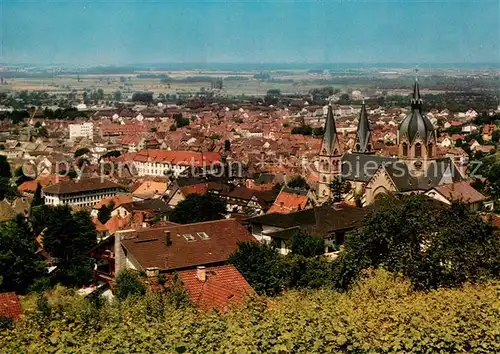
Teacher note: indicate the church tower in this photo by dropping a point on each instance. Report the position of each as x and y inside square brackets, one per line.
[417, 138]
[364, 142]
[329, 157]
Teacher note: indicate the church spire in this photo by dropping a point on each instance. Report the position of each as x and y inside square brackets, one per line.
[363, 143]
[330, 139]
[416, 100]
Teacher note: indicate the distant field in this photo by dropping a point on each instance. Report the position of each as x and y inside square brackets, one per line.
[243, 82]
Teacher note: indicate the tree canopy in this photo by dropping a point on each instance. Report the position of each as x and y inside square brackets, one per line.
[433, 244]
[198, 208]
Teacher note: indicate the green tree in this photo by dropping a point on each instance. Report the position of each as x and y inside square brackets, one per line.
[4, 167]
[298, 182]
[37, 197]
[304, 244]
[338, 187]
[198, 208]
[69, 238]
[433, 244]
[104, 213]
[81, 152]
[262, 267]
[227, 145]
[117, 95]
[128, 284]
[19, 265]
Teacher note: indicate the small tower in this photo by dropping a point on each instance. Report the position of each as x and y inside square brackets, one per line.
[363, 143]
[329, 157]
[416, 135]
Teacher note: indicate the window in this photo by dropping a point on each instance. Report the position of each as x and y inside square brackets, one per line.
[203, 235]
[358, 147]
[418, 150]
[405, 149]
[429, 150]
[188, 237]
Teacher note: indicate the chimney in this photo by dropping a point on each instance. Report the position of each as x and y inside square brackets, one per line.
[201, 273]
[168, 238]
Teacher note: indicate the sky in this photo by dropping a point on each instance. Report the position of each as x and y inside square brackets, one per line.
[84, 32]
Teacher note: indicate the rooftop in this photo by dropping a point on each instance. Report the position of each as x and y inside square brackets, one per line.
[79, 186]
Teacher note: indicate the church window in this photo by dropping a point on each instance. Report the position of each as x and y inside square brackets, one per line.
[418, 150]
[369, 147]
[429, 150]
[405, 149]
[358, 147]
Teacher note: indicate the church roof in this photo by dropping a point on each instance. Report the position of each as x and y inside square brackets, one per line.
[416, 124]
[439, 172]
[363, 142]
[361, 167]
[330, 131]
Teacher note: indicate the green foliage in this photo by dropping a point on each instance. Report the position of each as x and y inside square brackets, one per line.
[306, 245]
[298, 182]
[261, 266]
[180, 121]
[69, 238]
[339, 187]
[81, 152]
[104, 213]
[303, 129]
[198, 208]
[413, 237]
[128, 284]
[112, 153]
[176, 294]
[4, 167]
[19, 266]
[380, 314]
[37, 197]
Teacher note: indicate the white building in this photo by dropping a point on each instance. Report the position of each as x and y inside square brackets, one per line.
[81, 130]
[81, 193]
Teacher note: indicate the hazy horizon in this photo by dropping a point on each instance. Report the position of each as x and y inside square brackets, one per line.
[133, 32]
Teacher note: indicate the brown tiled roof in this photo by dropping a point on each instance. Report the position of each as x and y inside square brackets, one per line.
[223, 287]
[10, 306]
[83, 185]
[462, 191]
[149, 248]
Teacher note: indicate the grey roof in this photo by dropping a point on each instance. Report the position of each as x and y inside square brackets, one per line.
[361, 167]
[416, 123]
[319, 221]
[363, 142]
[155, 205]
[441, 171]
[330, 132]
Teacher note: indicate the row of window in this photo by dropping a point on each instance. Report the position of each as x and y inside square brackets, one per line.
[418, 150]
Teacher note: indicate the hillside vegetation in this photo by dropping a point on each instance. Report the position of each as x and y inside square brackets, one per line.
[380, 314]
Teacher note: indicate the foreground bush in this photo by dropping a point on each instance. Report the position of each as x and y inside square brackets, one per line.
[380, 314]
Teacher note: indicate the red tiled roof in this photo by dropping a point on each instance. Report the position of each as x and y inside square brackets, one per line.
[224, 286]
[288, 202]
[460, 191]
[28, 186]
[117, 201]
[10, 306]
[201, 188]
[177, 157]
[149, 248]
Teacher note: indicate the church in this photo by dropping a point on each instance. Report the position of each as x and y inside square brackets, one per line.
[415, 169]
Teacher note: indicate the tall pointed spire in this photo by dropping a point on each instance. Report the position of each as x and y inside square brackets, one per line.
[330, 140]
[363, 143]
[416, 100]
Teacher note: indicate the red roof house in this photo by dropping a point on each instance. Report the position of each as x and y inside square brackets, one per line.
[215, 287]
[10, 307]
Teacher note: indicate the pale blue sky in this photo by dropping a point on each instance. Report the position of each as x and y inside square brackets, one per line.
[119, 32]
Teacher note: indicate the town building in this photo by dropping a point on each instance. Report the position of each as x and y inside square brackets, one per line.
[81, 193]
[81, 130]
